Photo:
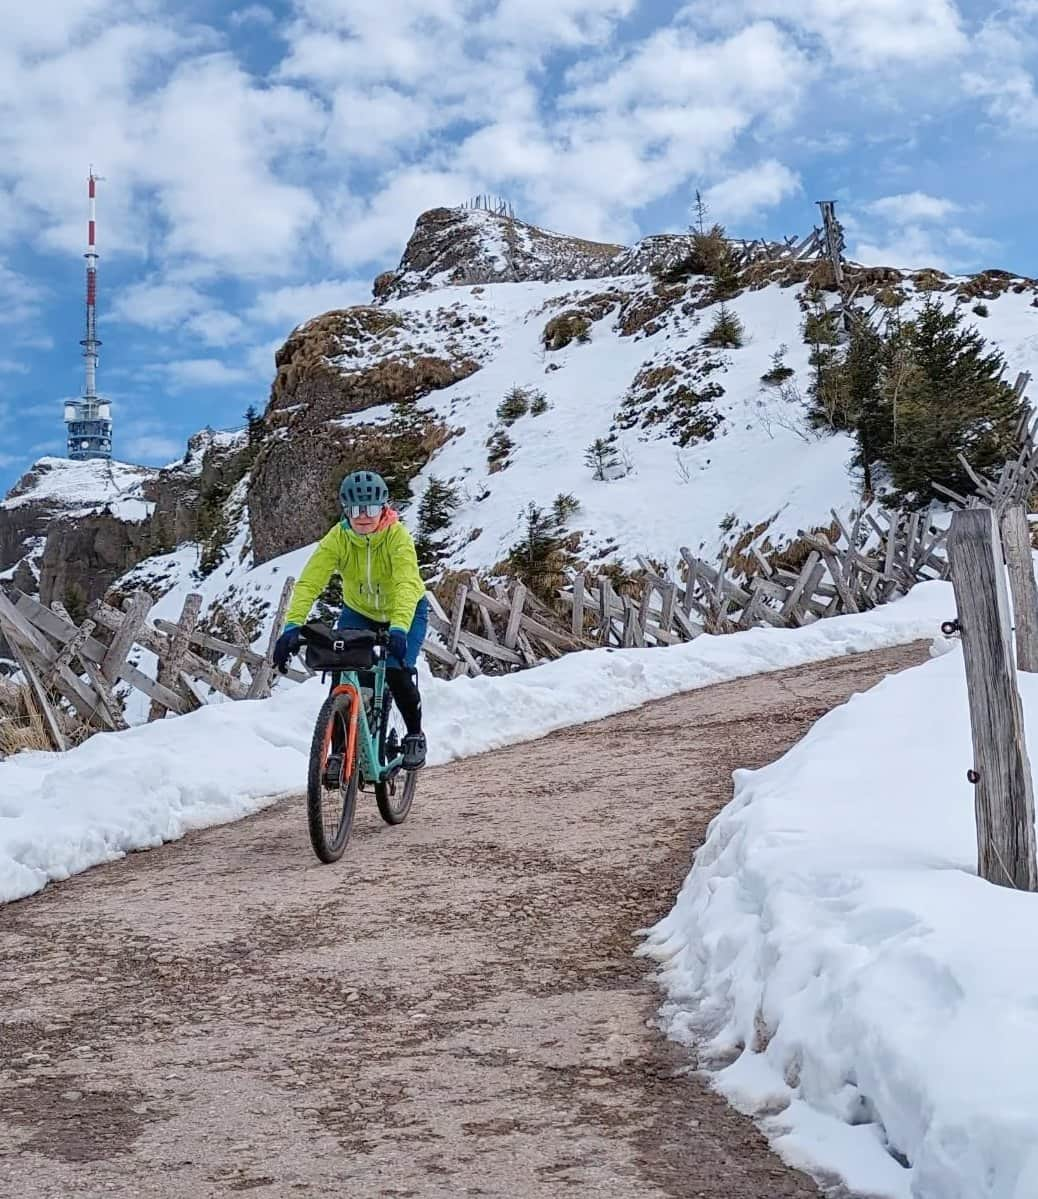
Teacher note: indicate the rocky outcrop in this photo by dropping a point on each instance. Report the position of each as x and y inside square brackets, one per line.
[293, 491]
[213, 464]
[68, 530]
[458, 246]
[82, 557]
[42, 514]
[331, 369]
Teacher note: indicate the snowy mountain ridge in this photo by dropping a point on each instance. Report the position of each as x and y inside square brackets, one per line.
[704, 452]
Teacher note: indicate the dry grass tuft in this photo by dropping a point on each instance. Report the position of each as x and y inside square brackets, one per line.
[21, 722]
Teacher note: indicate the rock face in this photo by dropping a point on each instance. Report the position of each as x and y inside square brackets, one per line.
[68, 530]
[331, 369]
[462, 246]
[83, 556]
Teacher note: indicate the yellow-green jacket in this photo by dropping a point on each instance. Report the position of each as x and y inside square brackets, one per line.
[380, 576]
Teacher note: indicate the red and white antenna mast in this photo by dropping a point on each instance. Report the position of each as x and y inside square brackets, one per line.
[89, 421]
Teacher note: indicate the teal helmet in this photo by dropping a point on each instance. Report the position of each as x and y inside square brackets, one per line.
[363, 488]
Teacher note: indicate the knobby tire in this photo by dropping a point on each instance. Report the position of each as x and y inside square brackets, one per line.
[330, 810]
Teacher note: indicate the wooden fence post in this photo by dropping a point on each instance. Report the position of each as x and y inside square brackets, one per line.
[1016, 541]
[169, 668]
[1001, 770]
[259, 688]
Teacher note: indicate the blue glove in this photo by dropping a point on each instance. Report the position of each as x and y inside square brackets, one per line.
[286, 645]
[398, 645]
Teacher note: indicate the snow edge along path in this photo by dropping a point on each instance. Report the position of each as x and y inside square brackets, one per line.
[132, 790]
[844, 974]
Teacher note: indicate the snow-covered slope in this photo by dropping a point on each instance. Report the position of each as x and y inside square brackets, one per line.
[75, 487]
[758, 463]
[57, 491]
[642, 377]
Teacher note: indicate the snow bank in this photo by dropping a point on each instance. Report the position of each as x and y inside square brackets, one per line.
[117, 792]
[838, 961]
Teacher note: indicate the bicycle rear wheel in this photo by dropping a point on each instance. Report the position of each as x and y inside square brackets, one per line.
[334, 776]
[395, 795]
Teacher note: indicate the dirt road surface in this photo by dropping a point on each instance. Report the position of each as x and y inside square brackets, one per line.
[452, 1010]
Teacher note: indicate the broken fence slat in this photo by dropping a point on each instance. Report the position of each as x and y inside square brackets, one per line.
[170, 666]
[126, 634]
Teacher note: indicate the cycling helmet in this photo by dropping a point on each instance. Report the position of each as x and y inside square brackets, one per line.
[363, 487]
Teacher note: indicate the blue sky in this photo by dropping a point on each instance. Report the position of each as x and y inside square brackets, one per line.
[263, 162]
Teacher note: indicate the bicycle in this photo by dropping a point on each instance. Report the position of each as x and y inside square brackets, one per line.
[354, 742]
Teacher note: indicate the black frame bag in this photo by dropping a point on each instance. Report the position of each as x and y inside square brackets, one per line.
[329, 649]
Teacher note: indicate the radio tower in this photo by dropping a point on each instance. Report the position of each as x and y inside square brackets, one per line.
[89, 420]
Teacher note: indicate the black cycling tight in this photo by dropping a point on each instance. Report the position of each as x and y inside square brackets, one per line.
[406, 696]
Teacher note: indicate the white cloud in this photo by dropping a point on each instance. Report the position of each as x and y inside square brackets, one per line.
[20, 298]
[913, 206]
[252, 14]
[366, 231]
[214, 139]
[215, 327]
[11, 366]
[914, 246]
[872, 34]
[749, 192]
[260, 359]
[204, 372]
[1002, 73]
[150, 448]
[915, 229]
[555, 22]
[165, 306]
[157, 305]
[290, 306]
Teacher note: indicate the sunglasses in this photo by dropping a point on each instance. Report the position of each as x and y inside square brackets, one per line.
[362, 509]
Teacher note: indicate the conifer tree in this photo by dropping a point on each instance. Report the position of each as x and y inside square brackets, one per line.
[602, 457]
[727, 330]
[540, 558]
[255, 426]
[515, 404]
[863, 401]
[948, 398]
[438, 505]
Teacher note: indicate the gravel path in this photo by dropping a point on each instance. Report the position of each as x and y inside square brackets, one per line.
[452, 1010]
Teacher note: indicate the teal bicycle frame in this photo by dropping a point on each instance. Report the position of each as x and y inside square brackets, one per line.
[372, 771]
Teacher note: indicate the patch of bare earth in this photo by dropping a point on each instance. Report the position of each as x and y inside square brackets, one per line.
[452, 1010]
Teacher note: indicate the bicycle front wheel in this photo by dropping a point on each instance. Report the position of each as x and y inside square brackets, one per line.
[334, 776]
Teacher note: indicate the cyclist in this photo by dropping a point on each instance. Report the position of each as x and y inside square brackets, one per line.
[381, 586]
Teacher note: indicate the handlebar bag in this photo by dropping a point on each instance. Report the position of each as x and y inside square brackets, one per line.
[338, 649]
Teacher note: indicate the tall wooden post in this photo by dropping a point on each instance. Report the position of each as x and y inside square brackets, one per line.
[259, 688]
[1001, 769]
[832, 232]
[1016, 541]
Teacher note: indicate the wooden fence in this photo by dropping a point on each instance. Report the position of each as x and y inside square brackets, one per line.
[82, 665]
[483, 629]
